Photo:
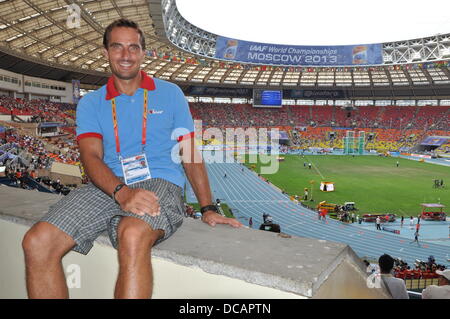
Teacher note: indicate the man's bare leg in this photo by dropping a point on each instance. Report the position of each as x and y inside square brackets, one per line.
[44, 246]
[135, 240]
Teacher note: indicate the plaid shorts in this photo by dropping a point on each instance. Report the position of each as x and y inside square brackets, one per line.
[87, 212]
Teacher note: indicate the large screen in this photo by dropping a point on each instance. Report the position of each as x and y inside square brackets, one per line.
[267, 98]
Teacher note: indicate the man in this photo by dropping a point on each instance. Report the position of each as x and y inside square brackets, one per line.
[442, 290]
[268, 225]
[378, 222]
[416, 238]
[126, 132]
[396, 286]
[323, 214]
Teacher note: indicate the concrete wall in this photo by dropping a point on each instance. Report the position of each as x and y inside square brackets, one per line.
[348, 281]
[99, 272]
[198, 261]
[66, 179]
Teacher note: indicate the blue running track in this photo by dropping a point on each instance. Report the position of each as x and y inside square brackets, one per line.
[249, 196]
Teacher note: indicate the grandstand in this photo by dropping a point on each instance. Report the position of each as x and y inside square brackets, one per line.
[51, 54]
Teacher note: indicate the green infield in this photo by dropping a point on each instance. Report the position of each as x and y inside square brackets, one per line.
[374, 183]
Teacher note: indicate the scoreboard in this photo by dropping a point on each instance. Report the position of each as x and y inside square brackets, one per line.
[267, 98]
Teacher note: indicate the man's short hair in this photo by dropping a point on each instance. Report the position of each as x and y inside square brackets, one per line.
[125, 23]
[386, 263]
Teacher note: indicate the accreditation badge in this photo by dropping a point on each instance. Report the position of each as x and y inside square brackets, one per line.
[135, 169]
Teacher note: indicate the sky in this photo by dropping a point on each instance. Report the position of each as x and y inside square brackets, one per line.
[319, 22]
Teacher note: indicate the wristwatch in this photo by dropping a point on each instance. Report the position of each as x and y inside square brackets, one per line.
[118, 188]
[204, 209]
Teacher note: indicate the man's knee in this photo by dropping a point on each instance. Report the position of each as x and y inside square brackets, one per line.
[134, 234]
[45, 240]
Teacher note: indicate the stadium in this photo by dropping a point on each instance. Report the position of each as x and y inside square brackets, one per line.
[346, 144]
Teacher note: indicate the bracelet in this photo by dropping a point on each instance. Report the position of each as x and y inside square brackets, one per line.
[204, 209]
[118, 188]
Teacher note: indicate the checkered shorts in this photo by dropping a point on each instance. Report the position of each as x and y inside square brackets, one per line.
[87, 212]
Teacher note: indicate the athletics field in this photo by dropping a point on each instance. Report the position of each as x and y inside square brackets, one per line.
[374, 183]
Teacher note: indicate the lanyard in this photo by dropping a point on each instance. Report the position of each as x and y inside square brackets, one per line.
[144, 123]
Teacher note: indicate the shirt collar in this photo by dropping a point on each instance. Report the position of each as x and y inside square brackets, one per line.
[146, 83]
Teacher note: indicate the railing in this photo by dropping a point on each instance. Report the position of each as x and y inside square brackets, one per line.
[419, 284]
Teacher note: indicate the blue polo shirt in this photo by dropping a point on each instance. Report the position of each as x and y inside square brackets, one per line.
[168, 122]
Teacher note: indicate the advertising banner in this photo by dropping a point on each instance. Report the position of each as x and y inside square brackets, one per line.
[277, 54]
[218, 91]
[435, 140]
[315, 94]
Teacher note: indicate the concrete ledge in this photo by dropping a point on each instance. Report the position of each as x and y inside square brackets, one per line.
[282, 267]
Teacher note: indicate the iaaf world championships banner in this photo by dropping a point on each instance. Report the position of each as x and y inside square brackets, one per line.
[275, 54]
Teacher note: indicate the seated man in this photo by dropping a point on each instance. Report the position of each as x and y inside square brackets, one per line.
[442, 290]
[131, 119]
[396, 286]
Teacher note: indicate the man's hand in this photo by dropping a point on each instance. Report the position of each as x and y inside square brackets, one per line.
[138, 201]
[212, 218]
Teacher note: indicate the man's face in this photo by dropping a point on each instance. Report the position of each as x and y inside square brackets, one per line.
[124, 52]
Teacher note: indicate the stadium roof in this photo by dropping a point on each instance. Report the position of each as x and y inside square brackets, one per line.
[324, 22]
[46, 32]
[41, 38]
